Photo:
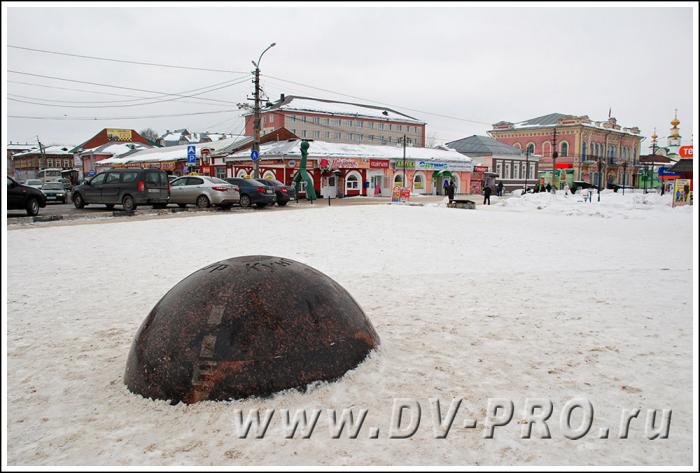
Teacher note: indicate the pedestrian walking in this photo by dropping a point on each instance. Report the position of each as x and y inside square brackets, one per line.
[499, 189]
[487, 195]
[548, 188]
[450, 191]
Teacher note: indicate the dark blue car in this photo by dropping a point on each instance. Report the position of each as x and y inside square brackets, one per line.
[283, 193]
[253, 192]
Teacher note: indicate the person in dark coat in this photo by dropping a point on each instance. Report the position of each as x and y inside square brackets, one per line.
[487, 195]
[450, 190]
[499, 189]
[548, 188]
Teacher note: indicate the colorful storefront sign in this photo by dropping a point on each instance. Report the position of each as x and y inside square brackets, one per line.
[379, 164]
[682, 195]
[433, 165]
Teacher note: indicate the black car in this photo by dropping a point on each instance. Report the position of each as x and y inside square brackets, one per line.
[128, 187]
[55, 192]
[20, 197]
[576, 185]
[283, 193]
[253, 192]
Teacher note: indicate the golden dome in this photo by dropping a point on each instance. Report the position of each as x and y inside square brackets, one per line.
[654, 135]
[675, 122]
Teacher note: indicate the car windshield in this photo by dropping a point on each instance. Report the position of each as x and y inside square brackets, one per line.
[53, 185]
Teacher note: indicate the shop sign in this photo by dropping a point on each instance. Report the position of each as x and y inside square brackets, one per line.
[118, 135]
[481, 169]
[682, 193]
[686, 151]
[665, 173]
[291, 163]
[379, 164]
[401, 164]
[345, 163]
[168, 166]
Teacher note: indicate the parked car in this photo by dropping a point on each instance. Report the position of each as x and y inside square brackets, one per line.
[128, 187]
[21, 197]
[253, 192]
[35, 183]
[55, 192]
[172, 177]
[283, 193]
[203, 191]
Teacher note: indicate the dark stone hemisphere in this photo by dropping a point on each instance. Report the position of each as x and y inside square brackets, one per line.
[247, 326]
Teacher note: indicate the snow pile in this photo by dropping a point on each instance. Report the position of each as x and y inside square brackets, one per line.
[468, 304]
[611, 205]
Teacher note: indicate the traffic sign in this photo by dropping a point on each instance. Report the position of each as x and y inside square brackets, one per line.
[254, 155]
[191, 154]
[185, 170]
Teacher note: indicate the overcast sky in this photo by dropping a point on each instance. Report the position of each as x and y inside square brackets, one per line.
[478, 64]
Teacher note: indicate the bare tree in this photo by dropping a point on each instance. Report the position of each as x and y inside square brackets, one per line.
[149, 134]
[431, 141]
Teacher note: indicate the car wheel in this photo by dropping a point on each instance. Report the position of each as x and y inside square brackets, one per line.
[203, 202]
[78, 201]
[109, 206]
[128, 203]
[32, 207]
[245, 201]
[182, 206]
[283, 203]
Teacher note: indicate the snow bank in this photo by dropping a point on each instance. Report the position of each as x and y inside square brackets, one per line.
[468, 304]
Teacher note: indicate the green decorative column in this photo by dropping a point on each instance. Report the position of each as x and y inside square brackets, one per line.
[302, 174]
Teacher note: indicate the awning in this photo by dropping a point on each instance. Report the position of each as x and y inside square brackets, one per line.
[442, 173]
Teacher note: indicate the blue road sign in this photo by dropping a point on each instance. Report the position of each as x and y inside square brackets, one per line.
[254, 155]
[191, 154]
[185, 170]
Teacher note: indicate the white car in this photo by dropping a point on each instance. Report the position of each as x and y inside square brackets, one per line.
[35, 183]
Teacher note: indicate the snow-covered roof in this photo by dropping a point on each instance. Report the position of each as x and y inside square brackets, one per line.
[169, 153]
[554, 119]
[476, 144]
[20, 146]
[54, 150]
[116, 148]
[323, 149]
[293, 103]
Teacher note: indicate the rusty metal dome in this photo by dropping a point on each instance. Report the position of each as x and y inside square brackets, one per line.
[247, 326]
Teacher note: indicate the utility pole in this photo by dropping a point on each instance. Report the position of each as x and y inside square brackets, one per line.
[42, 160]
[527, 166]
[555, 155]
[404, 161]
[256, 116]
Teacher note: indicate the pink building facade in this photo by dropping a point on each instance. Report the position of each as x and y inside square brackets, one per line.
[586, 150]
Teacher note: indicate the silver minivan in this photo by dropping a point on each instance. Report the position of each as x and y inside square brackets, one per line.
[203, 191]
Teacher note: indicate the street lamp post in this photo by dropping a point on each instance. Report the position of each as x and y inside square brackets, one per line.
[624, 176]
[527, 166]
[256, 116]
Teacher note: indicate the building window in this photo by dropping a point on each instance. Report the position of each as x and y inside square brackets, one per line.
[326, 121]
[294, 118]
[294, 130]
[507, 174]
[564, 149]
[328, 134]
[398, 180]
[371, 137]
[532, 170]
[389, 139]
[516, 170]
[337, 136]
[381, 126]
[317, 120]
[531, 148]
[270, 118]
[337, 122]
[317, 134]
[352, 136]
[498, 169]
[352, 183]
[348, 123]
[303, 118]
[398, 127]
[303, 133]
[383, 139]
[583, 152]
[370, 124]
[361, 137]
[418, 182]
[49, 163]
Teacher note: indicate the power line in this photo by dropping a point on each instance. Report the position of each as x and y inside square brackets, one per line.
[98, 58]
[377, 102]
[66, 118]
[133, 105]
[114, 86]
[137, 97]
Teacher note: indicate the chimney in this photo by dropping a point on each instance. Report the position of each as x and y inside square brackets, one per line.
[281, 97]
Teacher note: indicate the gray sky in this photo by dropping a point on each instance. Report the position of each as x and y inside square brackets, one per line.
[480, 64]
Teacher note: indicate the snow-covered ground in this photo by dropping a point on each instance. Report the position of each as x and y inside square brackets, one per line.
[536, 297]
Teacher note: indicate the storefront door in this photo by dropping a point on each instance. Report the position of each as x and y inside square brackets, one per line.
[329, 187]
[375, 184]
